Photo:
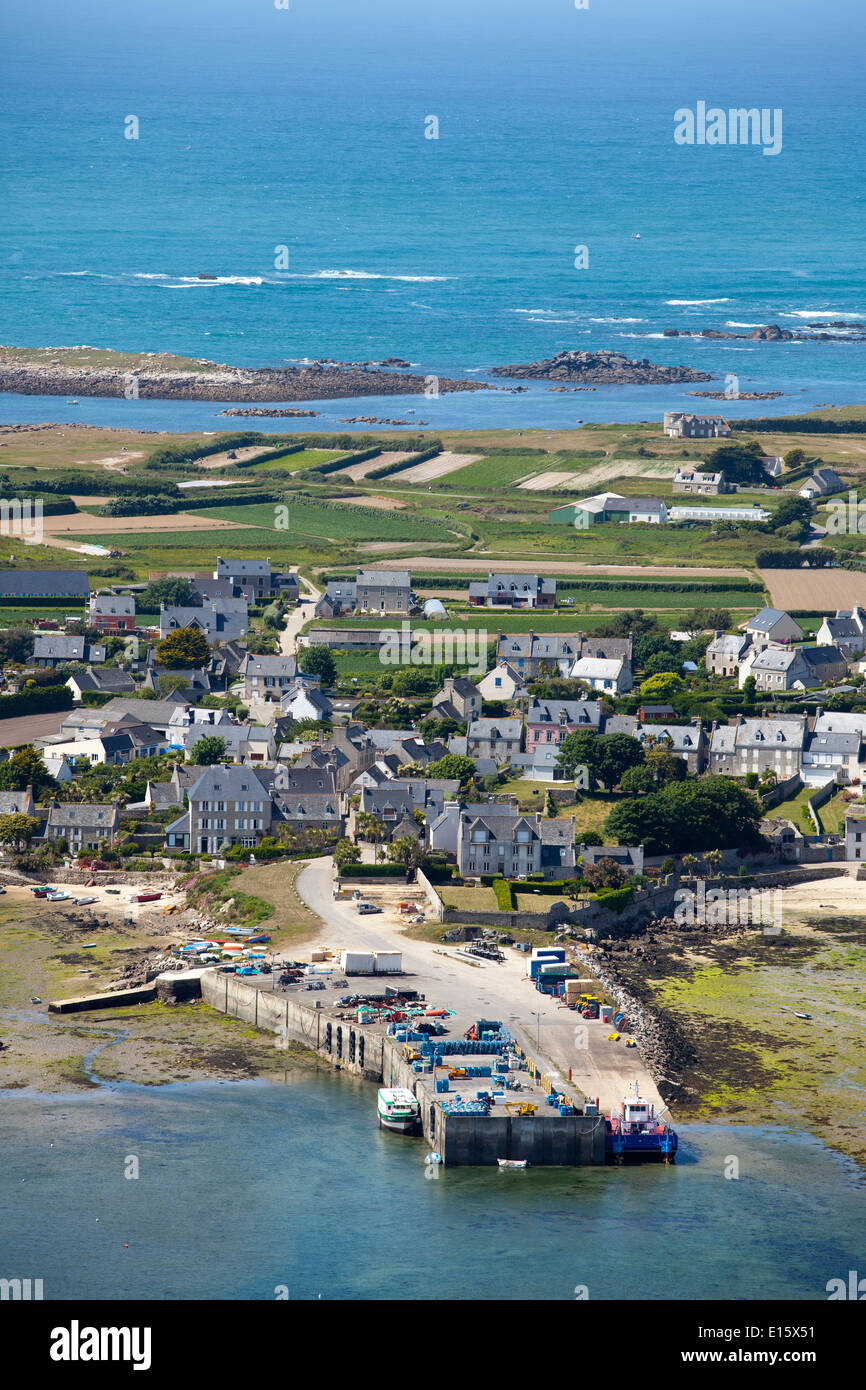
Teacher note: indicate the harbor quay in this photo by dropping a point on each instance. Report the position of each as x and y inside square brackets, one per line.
[488, 1101]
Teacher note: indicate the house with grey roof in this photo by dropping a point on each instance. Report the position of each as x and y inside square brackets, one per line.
[694, 480]
[459, 699]
[794, 668]
[503, 590]
[839, 755]
[245, 743]
[725, 652]
[256, 580]
[112, 613]
[494, 738]
[340, 596]
[502, 682]
[501, 840]
[822, 483]
[83, 827]
[628, 857]
[536, 653]
[267, 677]
[17, 803]
[53, 649]
[223, 619]
[846, 631]
[772, 744]
[383, 591]
[109, 680]
[548, 722]
[773, 625]
[683, 424]
[226, 806]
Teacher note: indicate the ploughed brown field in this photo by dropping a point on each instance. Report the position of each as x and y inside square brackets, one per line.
[814, 589]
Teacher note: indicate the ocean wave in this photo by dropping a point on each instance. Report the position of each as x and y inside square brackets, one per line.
[640, 335]
[617, 320]
[697, 301]
[823, 314]
[731, 323]
[370, 275]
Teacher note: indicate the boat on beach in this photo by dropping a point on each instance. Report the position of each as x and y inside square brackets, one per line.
[638, 1132]
[398, 1109]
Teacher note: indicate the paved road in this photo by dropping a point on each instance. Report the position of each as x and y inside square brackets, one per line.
[301, 615]
[598, 1067]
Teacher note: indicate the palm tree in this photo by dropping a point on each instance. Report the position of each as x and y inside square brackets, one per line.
[690, 865]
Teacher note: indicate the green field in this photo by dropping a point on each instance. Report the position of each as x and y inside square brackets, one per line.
[323, 522]
[292, 463]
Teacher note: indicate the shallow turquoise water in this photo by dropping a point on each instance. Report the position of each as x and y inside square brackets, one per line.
[246, 1187]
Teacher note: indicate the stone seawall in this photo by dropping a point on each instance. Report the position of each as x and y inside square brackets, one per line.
[345, 1045]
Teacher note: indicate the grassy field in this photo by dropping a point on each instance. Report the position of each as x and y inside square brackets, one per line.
[293, 463]
[335, 523]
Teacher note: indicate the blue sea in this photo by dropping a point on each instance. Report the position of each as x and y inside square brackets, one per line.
[319, 1203]
[286, 152]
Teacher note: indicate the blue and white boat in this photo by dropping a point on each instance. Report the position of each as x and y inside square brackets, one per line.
[638, 1132]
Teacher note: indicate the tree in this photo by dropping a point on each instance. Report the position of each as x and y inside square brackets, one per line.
[749, 685]
[712, 859]
[795, 458]
[579, 750]
[404, 850]
[346, 853]
[16, 644]
[685, 817]
[318, 661]
[17, 829]
[662, 686]
[186, 648]
[663, 762]
[636, 780]
[452, 765]
[690, 865]
[26, 769]
[174, 593]
[369, 827]
[209, 750]
[605, 873]
[616, 754]
[740, 463]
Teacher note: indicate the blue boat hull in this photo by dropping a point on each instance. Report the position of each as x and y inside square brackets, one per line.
[642, 1146]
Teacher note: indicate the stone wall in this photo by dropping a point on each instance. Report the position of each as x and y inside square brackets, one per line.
[347, 1045]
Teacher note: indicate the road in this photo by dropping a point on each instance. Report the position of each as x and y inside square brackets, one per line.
[301, 615]
[474, 989]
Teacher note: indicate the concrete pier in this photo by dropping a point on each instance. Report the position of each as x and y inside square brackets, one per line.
[545, 1138]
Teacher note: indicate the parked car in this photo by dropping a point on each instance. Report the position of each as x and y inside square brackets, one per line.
[367, 907]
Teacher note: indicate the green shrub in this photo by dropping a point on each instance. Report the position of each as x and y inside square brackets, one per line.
[504, 895]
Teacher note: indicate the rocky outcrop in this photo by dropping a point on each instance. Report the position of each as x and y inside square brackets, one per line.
[601, 368]
[217, 382]
[771, 333]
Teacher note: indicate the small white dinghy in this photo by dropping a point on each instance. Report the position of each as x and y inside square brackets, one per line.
[513, 1162]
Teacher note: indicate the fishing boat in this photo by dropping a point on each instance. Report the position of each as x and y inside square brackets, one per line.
[638, 1132]
[513, 1162]
[398, 1109]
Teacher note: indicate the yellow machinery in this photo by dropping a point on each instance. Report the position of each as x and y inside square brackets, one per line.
[454, 1073]
[520, 1107]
